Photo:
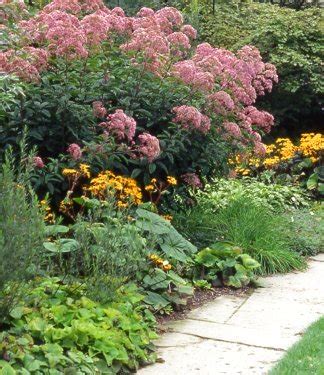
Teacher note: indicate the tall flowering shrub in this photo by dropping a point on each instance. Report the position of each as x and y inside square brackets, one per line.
[132, 92]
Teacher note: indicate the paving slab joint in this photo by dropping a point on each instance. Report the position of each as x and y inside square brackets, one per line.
[232, 342]
[238, 308]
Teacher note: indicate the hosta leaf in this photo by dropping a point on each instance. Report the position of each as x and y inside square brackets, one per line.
[156, 300]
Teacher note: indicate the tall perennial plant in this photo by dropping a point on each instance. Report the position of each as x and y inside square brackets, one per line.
[131, 94]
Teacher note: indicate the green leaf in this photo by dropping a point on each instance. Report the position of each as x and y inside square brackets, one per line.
[156, 300]
[152, 168]
[17, 312]
[53, 230]
[156, 280]
[151, 222]
[136, 172]
[312, 182]
[65, 245]
[37, 324]
[6, 369]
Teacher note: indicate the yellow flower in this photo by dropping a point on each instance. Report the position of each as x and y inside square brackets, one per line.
[171, 180]
[121, 204]
[65, 205]
[69, 172]
[84, 169]
[124, 188]
[167, 267]
[149, 188]
[50, 218]
[167, 217]
[159, 262]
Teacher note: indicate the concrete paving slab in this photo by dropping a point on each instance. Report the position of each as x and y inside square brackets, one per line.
[244, 336]
[218, 311]
[174, 339]
[263, 312]
[214, 357]
[266, 338]
[318, 257]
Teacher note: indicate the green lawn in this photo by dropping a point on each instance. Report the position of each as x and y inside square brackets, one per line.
[306, 356]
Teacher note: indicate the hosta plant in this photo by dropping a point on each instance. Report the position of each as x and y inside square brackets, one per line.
[223, 263]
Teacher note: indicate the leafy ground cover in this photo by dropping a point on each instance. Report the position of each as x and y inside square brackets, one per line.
[307, 355]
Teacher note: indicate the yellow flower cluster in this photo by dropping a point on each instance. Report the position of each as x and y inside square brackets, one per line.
[65, 206]
[49, 216]
[125, 188]
[83, 170]
[159, 262]
[283, 149]
[172, 180]
[311, 145]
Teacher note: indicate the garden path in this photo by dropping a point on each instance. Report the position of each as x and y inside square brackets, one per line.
[244, 335]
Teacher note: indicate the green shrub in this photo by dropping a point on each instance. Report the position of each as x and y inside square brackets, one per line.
[104, 247]
[290, 40]
[21, 233]
[260, 233]
[306, 232]
[122, 104]
[60, 331]
[275, 197]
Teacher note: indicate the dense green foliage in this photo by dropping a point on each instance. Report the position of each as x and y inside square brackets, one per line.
[21, 233]
[220, 192]
[61, 331]
[291, 40]
[306, 230]
[307, 355]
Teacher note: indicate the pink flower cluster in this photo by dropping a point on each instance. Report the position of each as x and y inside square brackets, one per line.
[261, 119]
[221, 102]
[98, 109]
[159, 36]
[74, 6]
[38, 162]
[123, 128]
[75, 151]
[26, 63]
[149, 146]
[244, 74]
[71, 27]
[229, 82]
[194, 76]
[190, 118]
[232, 129]
[179, 43]
[192, 180]
[120, 126]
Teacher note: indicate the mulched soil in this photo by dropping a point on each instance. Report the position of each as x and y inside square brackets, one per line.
[199, 298]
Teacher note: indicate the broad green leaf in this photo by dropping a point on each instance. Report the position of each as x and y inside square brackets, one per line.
[17, 312]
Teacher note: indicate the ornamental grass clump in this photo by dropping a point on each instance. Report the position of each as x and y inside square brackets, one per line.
[260, 233]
